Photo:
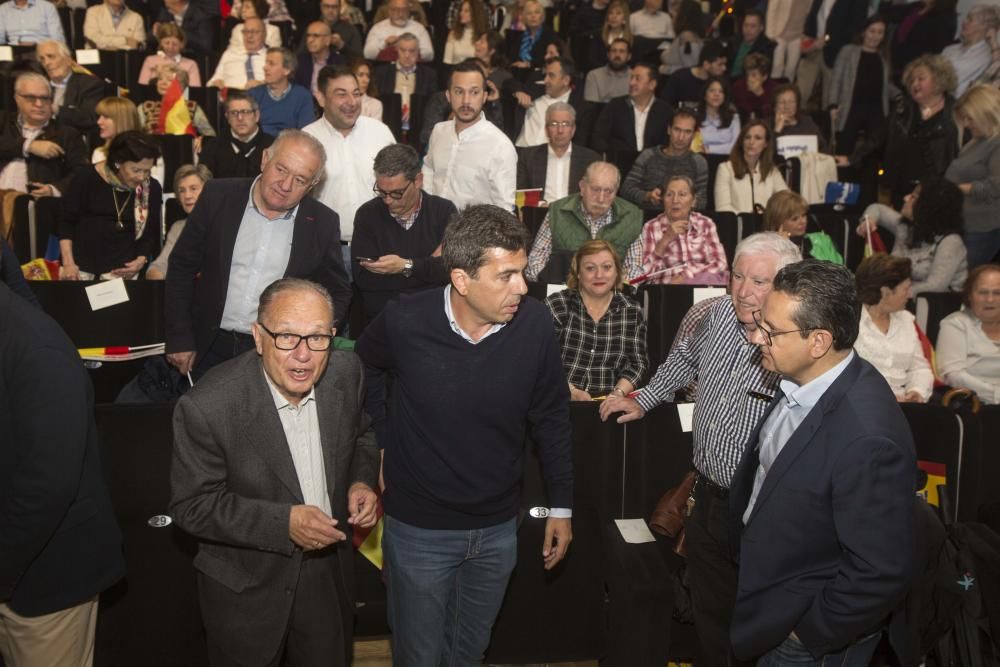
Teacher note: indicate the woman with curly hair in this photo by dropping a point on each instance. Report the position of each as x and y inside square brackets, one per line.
[923, 137]
[928, 230]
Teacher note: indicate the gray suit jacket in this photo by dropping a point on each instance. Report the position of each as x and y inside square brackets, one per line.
[233, 484]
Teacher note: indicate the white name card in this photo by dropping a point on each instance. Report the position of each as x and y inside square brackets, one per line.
[635, 531]
[88, 57]
[551, 289]
[6, 54]
[107, 293]
[685, 412]
[793, 145]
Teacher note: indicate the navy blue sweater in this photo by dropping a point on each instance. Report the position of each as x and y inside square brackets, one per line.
[455, 429]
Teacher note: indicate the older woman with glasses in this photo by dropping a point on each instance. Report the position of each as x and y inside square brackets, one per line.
[968, 345]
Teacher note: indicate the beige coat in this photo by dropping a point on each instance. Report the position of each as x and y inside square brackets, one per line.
[100, 30]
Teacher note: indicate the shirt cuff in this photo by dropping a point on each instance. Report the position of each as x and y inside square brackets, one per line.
[560, 513]
[24, 147]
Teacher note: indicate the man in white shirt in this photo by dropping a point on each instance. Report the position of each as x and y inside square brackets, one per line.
[351, 141]
[384, 34]
[558, 86]
[611, 81]
[469, 160]
[651, 21]
[243, 68]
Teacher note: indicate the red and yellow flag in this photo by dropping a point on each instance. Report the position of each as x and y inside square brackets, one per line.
[174, 115]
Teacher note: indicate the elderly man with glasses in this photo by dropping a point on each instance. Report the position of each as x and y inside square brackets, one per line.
[37, 154]
[236, 152]
[397, 235]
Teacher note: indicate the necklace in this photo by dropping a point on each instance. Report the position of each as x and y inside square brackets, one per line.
[120, 209]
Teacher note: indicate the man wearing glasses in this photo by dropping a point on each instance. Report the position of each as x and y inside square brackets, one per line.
[274, 462]
[241, 236]
[557, 166]
[237, 151]
[37, 154]
[732, 393]
[822, 501]
[351, 142]
[397, 235]
[596, 212]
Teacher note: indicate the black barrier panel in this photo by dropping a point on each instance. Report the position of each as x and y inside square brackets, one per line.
[138, 321]
[988, 470]
[665, 306]
[152, 617]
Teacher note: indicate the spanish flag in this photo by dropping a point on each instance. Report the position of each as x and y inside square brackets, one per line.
[936, 480]
[368, 541]
[174, 115]
[528, 198]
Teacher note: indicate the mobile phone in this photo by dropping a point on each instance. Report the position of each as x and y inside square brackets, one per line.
[363, 259]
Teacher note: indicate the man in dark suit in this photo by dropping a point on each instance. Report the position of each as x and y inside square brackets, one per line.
[616, 127]
[59, 543]
[53, 151]
[75, 94]
[414, 82]
[237, 151]
[274, 462]
[822, 501]
[316, 55]
[196, 24]
[239, 239]
[569, 160]
[751, 40]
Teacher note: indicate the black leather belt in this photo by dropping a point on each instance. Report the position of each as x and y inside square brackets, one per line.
[236, 335]
[711, 488]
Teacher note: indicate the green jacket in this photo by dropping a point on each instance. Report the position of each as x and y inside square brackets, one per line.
[570, 230]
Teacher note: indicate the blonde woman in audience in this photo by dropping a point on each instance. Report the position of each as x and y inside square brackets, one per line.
[112, 26]
[114, 116]
[189, 181]
[968, 344]
[887, 334]
[616, 24]
[254, 9]
[171, 40]
[602, 334]
[371, 106]
[681, 247]
[787, 213]
[746, 181]
[469, 26]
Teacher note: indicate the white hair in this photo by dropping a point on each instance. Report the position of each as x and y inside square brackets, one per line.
[774, 243]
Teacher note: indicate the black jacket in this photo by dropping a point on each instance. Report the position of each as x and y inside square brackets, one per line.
[512, 46]
[218, 155]
[385, 80]
[79, 107]
[59, 542]
[304, 72]
[200, 262]
[846, 20]
[197, 27]
[533, 163]
[615, 128]
[57, 171]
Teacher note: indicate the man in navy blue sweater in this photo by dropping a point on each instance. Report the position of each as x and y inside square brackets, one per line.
[475, 368]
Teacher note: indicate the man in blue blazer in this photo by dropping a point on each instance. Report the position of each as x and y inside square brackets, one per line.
[822, 502]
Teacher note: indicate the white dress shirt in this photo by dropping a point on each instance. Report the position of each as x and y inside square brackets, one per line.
[375, 41]
[260, 256]
[533, 130]
[301, 426]
[478, 166]
[232, 69]
[655, 25]
[557, 175]
[272, 36]
[640, 122]
[349, 166]
[896, 354]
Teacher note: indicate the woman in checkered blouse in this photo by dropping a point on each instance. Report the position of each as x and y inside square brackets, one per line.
[602, 333]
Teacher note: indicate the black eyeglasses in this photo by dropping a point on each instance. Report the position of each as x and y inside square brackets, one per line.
[391, 194]
[35, 99]
[289, 341]
[770, 334]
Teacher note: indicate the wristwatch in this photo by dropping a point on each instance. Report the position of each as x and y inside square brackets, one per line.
[407, 268]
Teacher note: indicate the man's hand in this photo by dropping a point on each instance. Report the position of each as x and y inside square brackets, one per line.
[253, 83]
[390, 40]
[45, 149]
[130, 268]
[655, 196]
[310, 528]
[183, 361]
[336, 41]
[629, 406]
[558, 535]
[578, 394]
[385, 264]
[361, 504]
[494, 93]
[132, 43]
[523, 98]
[40, 190]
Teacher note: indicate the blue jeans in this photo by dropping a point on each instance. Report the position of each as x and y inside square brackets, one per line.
[445, 588]
[791, 652]
[982, 247]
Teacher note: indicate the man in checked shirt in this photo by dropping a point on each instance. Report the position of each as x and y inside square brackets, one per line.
[733, 391]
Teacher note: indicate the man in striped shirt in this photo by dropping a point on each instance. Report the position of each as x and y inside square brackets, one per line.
[732, 394]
